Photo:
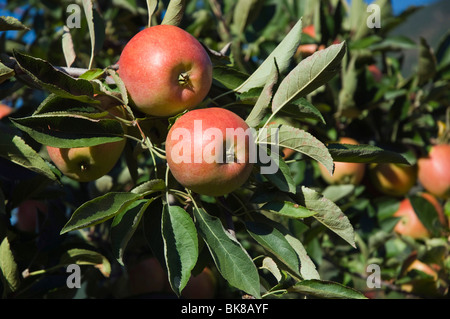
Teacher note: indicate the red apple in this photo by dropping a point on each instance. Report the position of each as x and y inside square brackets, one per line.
[434, 171]
[409, 224]
[196, 151]
[85, 164]
[146, 276]
[393, 179]
[344, 173]
[27, 214]
[202, 286]
[165, 70]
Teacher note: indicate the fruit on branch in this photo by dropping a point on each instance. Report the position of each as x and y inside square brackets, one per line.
[165, 70]
[208, 151]
[410, 224]
[393, 179]
[434, 171]
[344, 173]
[85, 164]
[202, 286]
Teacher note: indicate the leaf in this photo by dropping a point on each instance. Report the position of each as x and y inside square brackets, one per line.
[180, 245]
[275, 243]
[67, 46]
[9, 271]
[174, 13]
[307, 267]
[280, 174]
[283, 54]
[14, 149]
[427, 65]
[63, 131]
[149, 187]
[231, 259]
[300, 109]
[152, 5]
[11, 23]
[242, 15]
[427, 214]
[55, 81]
[228, 77]
[81, 256]
[262, 105]
[362, 153]
[308, 75]
[326, 289]
[269, 264]
[98, 210]
[288, 209]
[96, 28]
[298, 140]
[5, 73]
[328, 213]
[125, 224]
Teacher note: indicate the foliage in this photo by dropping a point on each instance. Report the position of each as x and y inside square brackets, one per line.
[282, 235]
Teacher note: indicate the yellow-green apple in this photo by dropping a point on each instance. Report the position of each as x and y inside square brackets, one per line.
[202, 286]
[146, 276]
[410, 224]
[85, 164]
[165, 70]
[208, 151]
[434, 171]
[344, 173]
[393, 179]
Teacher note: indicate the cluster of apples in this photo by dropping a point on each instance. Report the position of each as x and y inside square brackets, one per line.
[167, 71]
[432, 172]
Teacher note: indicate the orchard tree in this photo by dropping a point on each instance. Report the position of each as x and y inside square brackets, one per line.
[158, 131]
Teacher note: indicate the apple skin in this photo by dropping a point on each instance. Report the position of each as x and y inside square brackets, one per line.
[434, 171]
[344, 173]
[85, 164]
[206, 175]
[393, 179]
[151, 64]
[409, 224]
[202, 286]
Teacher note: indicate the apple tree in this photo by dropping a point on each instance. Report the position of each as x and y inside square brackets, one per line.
[301, 76]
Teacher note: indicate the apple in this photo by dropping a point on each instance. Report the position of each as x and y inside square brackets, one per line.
[146, 276]
[409, 224]
[197, 154]
[393, 179]
[27, 214]
[85, 164]
[434, 171]
[5, 110]
[165, 70]
[344, 173]
[422, 286]
[202, 286]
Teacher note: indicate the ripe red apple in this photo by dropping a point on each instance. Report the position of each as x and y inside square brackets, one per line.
[146, 276]
[27, 214]
[196, 151]
[393, 179]
[85, 164]
[165, 70]
[434, 171]
[409, 224]
[344, 173]
[202, 286]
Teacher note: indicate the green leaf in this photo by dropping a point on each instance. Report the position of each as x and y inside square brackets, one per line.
[300, 109]
[231, 259]
[282, 177]
[11, 23]
[98, 210]
[67, 131]
[427, 214]
[67, 46]
[300, 141]
[307, 267]
[81, 256]
[362, 153]
[152, 5]
[326, 289]
[125, 224]
[14, 149]
[180, 245]
[427, 66]
[5, 72]
[262, 105]
[96, 28]
[174, 13]
[283, 54]
[9, 271]
[288, 209]
[150, 186]
[328, 213]
[308, 75]
[275, 243]
[228, 77]
[243, 14]
[55, 81]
